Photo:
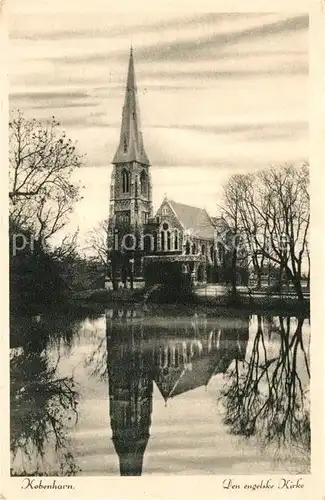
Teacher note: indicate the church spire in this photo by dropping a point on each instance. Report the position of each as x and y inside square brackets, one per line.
[131, 142]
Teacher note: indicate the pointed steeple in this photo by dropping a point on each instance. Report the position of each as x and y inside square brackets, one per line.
[131, 142]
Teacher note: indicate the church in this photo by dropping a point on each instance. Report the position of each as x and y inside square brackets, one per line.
[142, 244]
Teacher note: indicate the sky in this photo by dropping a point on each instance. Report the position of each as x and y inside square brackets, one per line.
[219, 93]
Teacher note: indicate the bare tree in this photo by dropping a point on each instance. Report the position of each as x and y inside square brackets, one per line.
[272, 209]
[113, 248]
[284, 207]
[42, 160]
[232, 196]
[97, 242]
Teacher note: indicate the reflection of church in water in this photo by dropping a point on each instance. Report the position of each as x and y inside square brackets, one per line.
[178, 356]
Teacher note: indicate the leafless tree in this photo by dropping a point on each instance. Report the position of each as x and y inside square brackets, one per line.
[97, 242]
[41, 159]
[272, 209]
[107, 246]
[284, 207]
[231, 203]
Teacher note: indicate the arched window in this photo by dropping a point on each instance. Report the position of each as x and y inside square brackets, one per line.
[211, 252]
[176, 239]
[168, 240]
[144, 183]
[203, 250]
[162, 236]
[187, 248]
[184, 269]
[194, 249]
[125, 181]
[169, 357]
[155, 238]
[147, 243]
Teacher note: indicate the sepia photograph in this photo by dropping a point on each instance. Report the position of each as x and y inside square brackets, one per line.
[159, 243]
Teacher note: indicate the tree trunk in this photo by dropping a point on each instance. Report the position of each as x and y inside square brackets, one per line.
[295, 280]
[234, 273]
[259, 325]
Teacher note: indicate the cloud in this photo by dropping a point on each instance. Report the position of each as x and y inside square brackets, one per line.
[85, 29]
[247, 131]
[34, 95]
[190, 49]
[290, 67]
[216, 74]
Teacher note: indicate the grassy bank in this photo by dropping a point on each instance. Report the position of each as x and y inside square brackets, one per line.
[96, 299]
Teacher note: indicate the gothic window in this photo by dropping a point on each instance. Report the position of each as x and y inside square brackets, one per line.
[211, 252]
[176, 239]
[177, 357]
[194, 249]
[184, 269]
[169, 357]
[123, 218]
[203, 250]
[155, 237]
[162, 234]
[168, 240]
[125, 181]
[144, 217]
[164, 211]
[187, 248]
[144, 183]
[147, 239]
[125, 144]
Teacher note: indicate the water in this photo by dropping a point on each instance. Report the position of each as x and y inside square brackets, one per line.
[136, 392]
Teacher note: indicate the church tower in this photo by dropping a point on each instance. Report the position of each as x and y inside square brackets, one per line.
[131, 188]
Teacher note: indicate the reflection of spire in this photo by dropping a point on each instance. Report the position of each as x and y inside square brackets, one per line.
[130, 395]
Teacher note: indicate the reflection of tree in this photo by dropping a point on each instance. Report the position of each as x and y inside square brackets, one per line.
[269, 396]
[36, 334]
[43, 407]
[96, 360]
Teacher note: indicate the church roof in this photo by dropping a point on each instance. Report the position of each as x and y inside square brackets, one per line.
[197, 373]
[172, 382]
[195, 219]
[131, 141]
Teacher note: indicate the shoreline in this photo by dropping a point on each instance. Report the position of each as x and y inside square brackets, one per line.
[94, 301]
[210, 305]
